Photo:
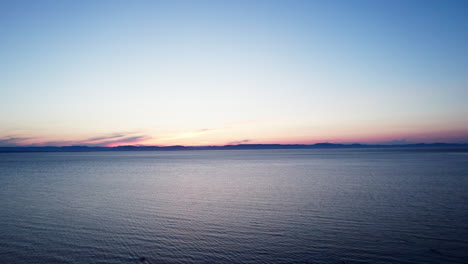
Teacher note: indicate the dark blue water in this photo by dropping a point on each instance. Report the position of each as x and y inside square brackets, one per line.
[266, 206]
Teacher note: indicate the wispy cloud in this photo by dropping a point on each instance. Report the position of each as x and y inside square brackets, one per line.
[13, 141]
[124, 141]
[113, 139]
[115, 135]
[239, 142]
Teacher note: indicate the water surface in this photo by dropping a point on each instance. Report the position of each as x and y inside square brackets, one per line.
[241, 206]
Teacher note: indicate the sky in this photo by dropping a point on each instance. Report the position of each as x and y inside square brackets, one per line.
[109, 73]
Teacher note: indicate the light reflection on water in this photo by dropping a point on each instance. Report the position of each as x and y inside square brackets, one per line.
[265, 206]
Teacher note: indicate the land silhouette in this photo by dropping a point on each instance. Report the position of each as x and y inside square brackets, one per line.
[421, 146]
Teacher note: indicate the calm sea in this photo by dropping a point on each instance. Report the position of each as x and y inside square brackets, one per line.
[241, 206]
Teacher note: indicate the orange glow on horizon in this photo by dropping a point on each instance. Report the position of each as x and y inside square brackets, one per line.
[448, 137]
[221, 137]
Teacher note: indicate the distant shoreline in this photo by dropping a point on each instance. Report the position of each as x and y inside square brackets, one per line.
[439, 146]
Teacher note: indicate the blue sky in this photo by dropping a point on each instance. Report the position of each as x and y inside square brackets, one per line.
[215, 72]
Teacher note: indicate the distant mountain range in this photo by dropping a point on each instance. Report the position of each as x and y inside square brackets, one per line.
[228, 147]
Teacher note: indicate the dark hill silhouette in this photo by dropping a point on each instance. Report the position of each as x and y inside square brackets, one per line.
[421, 146]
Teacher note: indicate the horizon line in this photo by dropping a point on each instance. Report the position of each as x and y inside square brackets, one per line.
[245, 145]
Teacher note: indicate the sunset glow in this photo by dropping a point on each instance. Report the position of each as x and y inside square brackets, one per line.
[111, 73]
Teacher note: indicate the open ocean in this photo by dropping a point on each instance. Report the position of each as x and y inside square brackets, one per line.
[240, 206]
